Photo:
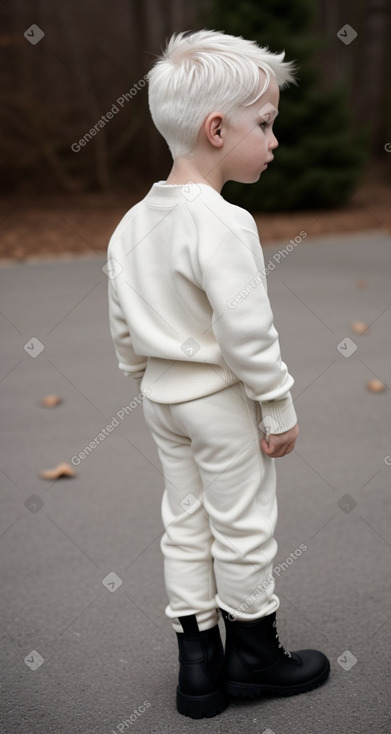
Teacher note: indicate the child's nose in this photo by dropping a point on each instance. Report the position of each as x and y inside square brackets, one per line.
[273, 143]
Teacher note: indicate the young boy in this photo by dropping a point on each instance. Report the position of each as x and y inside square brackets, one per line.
[191, 321]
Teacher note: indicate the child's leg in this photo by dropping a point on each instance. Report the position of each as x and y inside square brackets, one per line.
[210, 453]
[239, 496]
[186, 543]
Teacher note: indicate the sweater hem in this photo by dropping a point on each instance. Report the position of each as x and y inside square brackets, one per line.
[170, 381]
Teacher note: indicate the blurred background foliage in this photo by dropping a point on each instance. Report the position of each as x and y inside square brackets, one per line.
[319, 157]
[333, 124]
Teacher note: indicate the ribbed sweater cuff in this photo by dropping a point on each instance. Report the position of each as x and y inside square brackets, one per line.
[278, 416]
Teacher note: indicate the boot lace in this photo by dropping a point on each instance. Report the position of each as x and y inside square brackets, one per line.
[281, 647]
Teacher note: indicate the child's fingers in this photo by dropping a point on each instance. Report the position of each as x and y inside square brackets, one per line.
[265, 447]
[276, 448]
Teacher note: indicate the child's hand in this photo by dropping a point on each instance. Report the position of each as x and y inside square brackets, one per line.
[281, 443]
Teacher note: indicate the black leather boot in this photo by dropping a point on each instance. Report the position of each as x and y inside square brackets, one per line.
[200, 691]
[257, 664]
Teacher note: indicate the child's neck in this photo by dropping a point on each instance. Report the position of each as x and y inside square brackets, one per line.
[184, 171]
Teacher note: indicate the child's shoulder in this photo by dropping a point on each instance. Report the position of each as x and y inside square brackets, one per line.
[239, 216]
[223, 213]
[206, 207]
[125, 221]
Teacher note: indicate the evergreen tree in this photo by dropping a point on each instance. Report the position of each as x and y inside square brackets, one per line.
[319, 159]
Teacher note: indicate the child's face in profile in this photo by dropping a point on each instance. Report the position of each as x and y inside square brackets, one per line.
[250, 141]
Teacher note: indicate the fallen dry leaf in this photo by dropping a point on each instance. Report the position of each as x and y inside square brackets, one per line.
[61, 470]
[49, 401]
[359, 327]
[376, 386]
[361, 284]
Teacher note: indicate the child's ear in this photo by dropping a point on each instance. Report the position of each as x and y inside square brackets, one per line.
[213, 129]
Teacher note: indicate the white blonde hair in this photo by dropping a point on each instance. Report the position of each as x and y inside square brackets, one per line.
[205, 71]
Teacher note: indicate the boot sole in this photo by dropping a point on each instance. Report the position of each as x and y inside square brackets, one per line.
[199, 707]
[252, 690]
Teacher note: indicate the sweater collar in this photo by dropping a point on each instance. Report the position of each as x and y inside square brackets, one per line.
[173, 194]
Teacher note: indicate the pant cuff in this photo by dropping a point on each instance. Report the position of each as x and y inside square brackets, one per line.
[252, 612]
[205, 620]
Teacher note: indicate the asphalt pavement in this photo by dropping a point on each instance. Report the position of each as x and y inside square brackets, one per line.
[85, 644]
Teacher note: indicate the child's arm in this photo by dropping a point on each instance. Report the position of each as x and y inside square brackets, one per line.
[131, 364]
[235, 285]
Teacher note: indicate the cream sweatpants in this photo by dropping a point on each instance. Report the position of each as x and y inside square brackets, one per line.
[219, 507]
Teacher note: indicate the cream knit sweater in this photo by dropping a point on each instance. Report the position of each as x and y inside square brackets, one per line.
[188, 306]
